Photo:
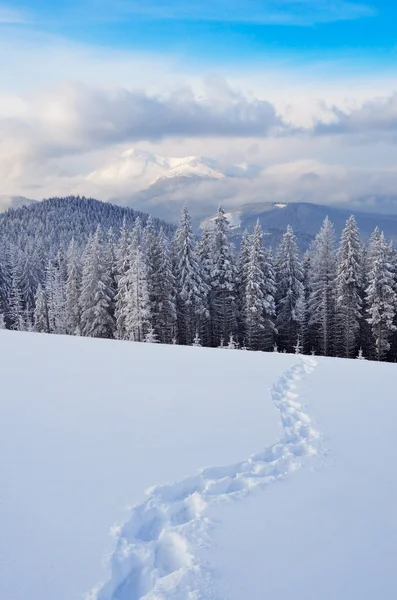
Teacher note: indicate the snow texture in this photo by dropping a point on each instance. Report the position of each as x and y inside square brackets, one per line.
[154, 558]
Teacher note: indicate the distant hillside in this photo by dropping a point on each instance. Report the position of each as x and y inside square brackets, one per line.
[7, 202]
[52, 223]
[306, 220]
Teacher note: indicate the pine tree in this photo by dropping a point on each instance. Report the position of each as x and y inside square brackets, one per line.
[161, 283]
[204, 253]
[322, 301]
[259, 309]
[73, 284]
[122, 267]
[55, 288]
[151, 337]
[290, 292]
[348, 284]
[381, 297]
[191, 288]
[95, 298]
[15, 303]
[223, 303]
[41, 323]
[133, 302]
[243, 261]
[197, 340]
[167, 291]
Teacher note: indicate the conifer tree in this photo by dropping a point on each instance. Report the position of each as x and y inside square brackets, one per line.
[191, 288]
[223, 299]
[322, 301]
[348, 284]
[381, 296]
[96, 298]
[243, 260]
[41, 323]
[73, 285]
[259, 308]
[132, 299]
[290, 292]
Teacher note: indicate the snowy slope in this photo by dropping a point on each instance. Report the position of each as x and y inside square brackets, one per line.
[303, 507]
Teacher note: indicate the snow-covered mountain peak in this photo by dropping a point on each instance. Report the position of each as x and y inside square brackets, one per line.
[139, 170]
[145, 168]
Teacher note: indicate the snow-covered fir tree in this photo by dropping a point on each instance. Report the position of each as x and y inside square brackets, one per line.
[133, 294]
[191, 288]
[96, 294]
[73, 285]
[348, 285]
[41, 322]
[258, 305]
[290, 292]
[223, 301]
[381, 295]
[242, 268]
[322, 300]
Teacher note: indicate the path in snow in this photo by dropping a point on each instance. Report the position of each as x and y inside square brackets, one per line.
[154, 557]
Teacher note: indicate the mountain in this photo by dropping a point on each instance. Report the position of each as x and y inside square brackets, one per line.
[306, 220]
[144, 169]
[163, 184]
[7, 202]
[52, 223]
[297, 500]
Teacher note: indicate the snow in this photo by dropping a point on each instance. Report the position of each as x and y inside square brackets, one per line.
[145, 168]
[301, 509]
[280, 205]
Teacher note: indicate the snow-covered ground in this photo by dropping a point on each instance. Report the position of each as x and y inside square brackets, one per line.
[297, 499]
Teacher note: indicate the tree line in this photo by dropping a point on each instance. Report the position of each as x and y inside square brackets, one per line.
[145, 284]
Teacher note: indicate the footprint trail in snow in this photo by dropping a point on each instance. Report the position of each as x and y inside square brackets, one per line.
[155, 557]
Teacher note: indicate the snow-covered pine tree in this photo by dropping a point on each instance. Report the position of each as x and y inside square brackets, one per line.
[96, 297]
[242, 268]
[55, 288]
[167, 291]
[223, 282]
[348, 284]
[122, 267]
[151, 337]
[73, 285]
[110, 257]
[270, 301]
[27, 282]
[161, 283]
[204, 253]
[259, 309]
[41, 323]
[289, 292]
[133, 293]
[3, 324]
[232, 345]
[381, 296]
[308, 334]
[16, 312]
[197, 340]
[191, 289]
[5, 286]
[322, 301]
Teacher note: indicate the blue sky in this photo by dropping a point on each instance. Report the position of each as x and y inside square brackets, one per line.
[215, 31]
[304, 89]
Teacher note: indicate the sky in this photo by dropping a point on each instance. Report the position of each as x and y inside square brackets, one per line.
[305, 90]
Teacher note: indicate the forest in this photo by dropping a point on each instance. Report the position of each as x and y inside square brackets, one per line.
[77, 266]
